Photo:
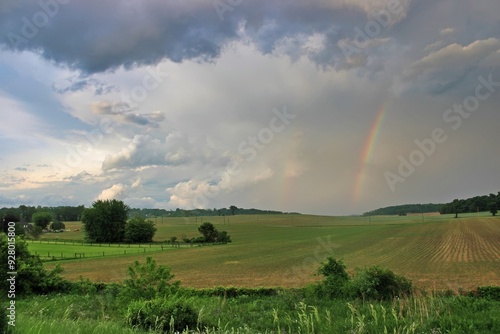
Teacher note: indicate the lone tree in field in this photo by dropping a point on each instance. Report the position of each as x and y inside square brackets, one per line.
[210, 233]
[105, 221]
[42, 219]
[138, 229]
[233, 209]
[493, 208]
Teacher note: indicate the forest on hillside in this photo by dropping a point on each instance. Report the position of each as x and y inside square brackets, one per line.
[489, 202]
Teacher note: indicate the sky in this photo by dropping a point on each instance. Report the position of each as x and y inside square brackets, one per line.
[323, 107]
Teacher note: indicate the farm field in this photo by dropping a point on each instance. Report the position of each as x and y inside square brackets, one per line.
[435, 252]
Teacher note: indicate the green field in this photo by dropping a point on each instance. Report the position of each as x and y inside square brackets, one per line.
[436, 251]
[66, 250]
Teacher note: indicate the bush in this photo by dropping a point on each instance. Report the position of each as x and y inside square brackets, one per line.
[57, 225]
[489, 292]
[223, 237]
[379, 283]
[336, 278]
[161, 315]
[148, 281]
[198, 240]
[139, 230]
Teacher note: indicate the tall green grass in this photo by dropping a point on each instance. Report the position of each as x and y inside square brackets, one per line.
[286, 313]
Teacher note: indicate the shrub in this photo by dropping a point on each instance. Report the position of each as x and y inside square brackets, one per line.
[198, 240]
[336, 277]
[148, 281]
[161, 315]
[223, 237]
[379, 283]
[489, 292]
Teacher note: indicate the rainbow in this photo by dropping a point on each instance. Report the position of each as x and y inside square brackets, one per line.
[367, 152]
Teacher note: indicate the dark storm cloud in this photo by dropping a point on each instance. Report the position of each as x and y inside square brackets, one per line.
[96, 36]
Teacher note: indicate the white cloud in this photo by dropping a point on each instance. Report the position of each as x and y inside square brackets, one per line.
[116, 191]
[446, 31]
[145, 150]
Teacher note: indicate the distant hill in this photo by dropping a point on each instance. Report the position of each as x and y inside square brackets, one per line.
[404, 209]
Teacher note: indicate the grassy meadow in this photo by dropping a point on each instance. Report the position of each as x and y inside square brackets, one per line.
[437, 252]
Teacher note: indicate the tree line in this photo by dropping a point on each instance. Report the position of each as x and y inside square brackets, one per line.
[232, 210]
[25, 213]
[489, 203]
[404, 209]
[483, 203]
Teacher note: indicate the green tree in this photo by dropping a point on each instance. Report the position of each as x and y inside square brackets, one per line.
[233, 209]
[31, 275]
[57, 225]
[138, 229]
[208, 231]
[42, 219]
[35, 232]
[493, 208]
[7, 218]
[105, 221]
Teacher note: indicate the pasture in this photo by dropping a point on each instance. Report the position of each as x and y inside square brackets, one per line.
[436, 252]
